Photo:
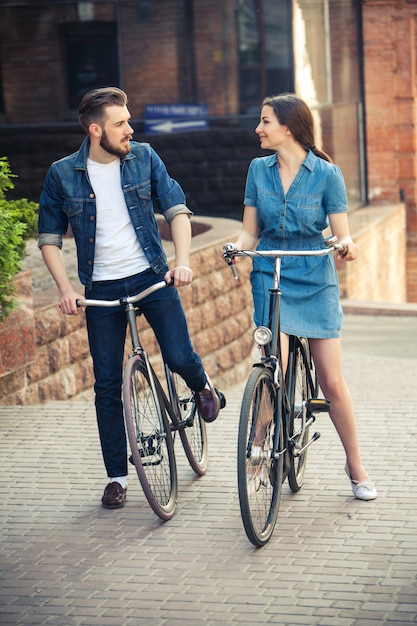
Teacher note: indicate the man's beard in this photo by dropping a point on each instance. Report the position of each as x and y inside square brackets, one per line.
[120, 151]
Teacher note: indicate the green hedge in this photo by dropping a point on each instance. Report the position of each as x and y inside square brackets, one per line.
[18, 223]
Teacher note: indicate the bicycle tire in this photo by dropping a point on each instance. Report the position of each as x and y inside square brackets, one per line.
[300, 392]
[150, 439]
[260, 477]
[194, 435]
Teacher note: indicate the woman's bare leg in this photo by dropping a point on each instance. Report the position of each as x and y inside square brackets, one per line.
[328, 361]
[265, 405]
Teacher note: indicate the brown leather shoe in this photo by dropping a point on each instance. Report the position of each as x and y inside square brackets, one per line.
[114, 496]
[208, 403]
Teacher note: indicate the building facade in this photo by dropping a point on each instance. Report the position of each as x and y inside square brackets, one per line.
[353, 61]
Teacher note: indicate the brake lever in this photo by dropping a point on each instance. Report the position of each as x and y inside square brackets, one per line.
[228, 250]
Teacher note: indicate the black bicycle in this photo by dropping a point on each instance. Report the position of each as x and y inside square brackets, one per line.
[277, 410]
[154, 414]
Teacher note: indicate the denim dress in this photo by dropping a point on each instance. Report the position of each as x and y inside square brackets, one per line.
[310, 301]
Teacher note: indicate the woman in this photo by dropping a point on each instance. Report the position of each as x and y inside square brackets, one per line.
[290, 198]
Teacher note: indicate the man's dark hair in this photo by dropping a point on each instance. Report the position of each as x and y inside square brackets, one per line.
[92, 106]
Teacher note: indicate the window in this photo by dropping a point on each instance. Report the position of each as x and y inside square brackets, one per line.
[91, 58]
[328, 77]
[2, 109]
[265, 50]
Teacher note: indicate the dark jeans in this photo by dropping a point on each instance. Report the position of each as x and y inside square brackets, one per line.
[107, 333]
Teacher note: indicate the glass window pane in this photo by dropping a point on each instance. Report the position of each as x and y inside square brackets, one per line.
[327, 76]
[265, 50]
[277, 17]
[249, 49]
[344, 50]
[310, 53]
[91, 53]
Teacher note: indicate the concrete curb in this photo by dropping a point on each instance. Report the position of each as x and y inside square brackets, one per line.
[351, 307]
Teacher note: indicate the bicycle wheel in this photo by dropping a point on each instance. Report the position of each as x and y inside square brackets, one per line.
[299, 391]
[194, 435]
[259, 475]
[150, 439]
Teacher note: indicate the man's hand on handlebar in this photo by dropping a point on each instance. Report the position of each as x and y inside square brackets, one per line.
[68, 303]
[181, 275]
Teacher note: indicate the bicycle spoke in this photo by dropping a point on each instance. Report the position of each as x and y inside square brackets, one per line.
[259, 474]
[297, 433]
[150, 440]
[194, 435]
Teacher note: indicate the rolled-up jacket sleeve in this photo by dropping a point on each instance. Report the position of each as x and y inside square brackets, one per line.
[166, 192]
[49, 239]
[53, 223]
[170, 213]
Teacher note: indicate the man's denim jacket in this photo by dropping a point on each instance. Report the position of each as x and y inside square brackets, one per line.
[67, 197]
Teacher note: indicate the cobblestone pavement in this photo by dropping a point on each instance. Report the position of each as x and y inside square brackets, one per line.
[332, 561]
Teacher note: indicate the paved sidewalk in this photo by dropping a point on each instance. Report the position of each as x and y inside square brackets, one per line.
[332, 561]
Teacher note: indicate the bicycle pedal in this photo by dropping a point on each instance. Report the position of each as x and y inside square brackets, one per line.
[149, 457]
[318, 405]
[221, 397]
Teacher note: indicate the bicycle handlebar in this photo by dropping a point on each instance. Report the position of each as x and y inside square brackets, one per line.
[124, 299]
[230, 251]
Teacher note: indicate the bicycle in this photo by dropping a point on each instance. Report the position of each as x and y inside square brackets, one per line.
[153, 416]
[277, 411]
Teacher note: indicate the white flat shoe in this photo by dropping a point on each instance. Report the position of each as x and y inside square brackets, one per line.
[364, 490]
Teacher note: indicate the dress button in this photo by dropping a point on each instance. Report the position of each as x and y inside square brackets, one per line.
[91, 218]
[91, 240]
[91, 195]
[89, 263]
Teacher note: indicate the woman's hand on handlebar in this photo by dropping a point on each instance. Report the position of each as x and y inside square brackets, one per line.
[350, 250]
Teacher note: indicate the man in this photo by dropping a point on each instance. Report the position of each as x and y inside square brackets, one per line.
[105, 191]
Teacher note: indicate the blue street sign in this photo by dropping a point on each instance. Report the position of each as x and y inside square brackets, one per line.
[171, 118]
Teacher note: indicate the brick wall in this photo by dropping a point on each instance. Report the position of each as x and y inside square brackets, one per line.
[160, 60]
[211, 166]
[380, 272]
[151, 71]
[390, 65]
[219, 313]
[390, 44]
[44, 354]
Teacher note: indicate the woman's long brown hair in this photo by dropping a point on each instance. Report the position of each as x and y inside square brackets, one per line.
[293, 112]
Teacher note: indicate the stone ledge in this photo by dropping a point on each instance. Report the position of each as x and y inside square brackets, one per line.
[354, 307]
[60, 370]
[61, 366]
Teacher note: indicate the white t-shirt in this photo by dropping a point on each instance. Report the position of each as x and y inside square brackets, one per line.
[117, 251]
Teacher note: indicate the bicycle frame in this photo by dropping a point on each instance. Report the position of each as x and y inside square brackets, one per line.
[273, 352]
[277, 410]
[152, 419]
[170, 400]
[131, 313]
